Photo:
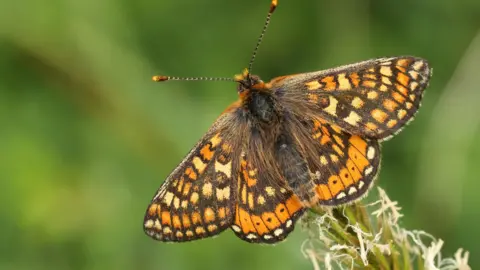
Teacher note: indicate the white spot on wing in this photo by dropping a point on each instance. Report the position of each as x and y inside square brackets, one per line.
[352, 118]
[260, 200]
[226, 169]
[357, 102]
[207, 190]
[223, 194]
[148, 224]
[332, 108]
[199, 165]
[371, 152]
[418, 65]
[289, 223]
[168, 198]
[270, 191]
[157, 225]
[413, 86]
[176, 202]
[386, 81]
[278, 232]
[360, 184]
[386, 71]
[368, 170]
[343, 82]
[323, 160]
[414, 74]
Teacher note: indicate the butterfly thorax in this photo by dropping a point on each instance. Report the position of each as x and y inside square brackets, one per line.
[257, 100]
[269, 140]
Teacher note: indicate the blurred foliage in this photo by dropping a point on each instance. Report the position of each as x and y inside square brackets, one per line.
[87, 137]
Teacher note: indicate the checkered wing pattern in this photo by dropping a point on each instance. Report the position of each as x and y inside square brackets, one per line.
[267, 209]
[345, 165]
[374, 98]
[198, 198]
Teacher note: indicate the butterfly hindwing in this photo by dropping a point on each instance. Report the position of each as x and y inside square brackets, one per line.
[374, 98]
[197, 199]
[324, 164]
[267, 209]
[346, 165]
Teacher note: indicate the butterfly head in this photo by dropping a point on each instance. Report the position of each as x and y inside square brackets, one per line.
[247, 82]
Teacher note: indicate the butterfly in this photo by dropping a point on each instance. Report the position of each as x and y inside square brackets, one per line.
[296, 142]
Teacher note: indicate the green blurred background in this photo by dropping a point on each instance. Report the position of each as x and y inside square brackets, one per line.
[87, 138]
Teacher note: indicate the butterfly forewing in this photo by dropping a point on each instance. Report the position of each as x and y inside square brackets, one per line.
[374, 98]
[198, 198]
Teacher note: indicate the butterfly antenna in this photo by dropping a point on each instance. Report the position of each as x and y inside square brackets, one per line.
[273, 5]
[161, 78]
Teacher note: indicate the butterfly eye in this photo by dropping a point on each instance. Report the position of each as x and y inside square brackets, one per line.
[241, 87]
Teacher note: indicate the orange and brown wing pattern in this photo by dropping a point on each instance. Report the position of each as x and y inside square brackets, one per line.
[198, 198]
[340, 166]
[267, 209]
[346, 165]
[374, 98]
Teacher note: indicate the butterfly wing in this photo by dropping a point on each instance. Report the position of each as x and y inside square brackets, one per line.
[374, 98]
[324, 164]
[197, 199]
[347, 166]
[267, 209]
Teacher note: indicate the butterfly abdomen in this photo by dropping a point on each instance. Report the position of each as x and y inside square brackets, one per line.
[294, 168]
